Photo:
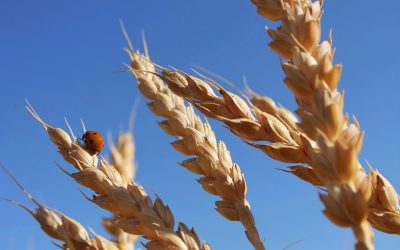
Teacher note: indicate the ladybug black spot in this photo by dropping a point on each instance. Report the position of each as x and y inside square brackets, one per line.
[95, 133]
[91, 141]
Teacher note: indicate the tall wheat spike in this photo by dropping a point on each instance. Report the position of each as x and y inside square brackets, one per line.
[313, 78]
[213, 161]
[137, 214]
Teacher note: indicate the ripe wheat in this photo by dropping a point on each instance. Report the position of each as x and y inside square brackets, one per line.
[319, 137]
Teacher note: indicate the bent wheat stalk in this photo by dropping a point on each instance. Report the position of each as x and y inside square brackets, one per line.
[221, 177]
[137, 214]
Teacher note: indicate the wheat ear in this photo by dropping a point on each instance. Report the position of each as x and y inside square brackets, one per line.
[251, 123]
[270, 122]
[221, 176]
[137, 213]
[61, 227]
[313, 78]
[122, 158]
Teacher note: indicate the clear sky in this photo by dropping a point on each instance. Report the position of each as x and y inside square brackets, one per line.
[62, 56]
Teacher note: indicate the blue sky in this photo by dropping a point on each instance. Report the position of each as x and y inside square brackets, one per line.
[63, 55]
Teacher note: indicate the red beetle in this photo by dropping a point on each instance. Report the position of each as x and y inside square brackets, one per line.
[93, 141]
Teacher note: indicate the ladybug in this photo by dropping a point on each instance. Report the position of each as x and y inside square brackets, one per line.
[93, 141]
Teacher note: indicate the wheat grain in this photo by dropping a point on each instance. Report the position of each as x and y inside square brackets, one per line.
[384, 210]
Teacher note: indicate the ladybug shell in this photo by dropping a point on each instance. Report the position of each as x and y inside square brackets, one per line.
[93, 140]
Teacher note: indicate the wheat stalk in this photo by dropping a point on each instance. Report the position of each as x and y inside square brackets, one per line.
[61, 227]
[137, 214]
[221, 176]
[313, 77]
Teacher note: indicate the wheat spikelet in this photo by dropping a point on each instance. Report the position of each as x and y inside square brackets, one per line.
[384, 210]
[221, 176]
[137, 214]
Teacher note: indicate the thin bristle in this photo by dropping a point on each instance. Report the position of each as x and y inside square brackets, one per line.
[132, 114]
[19, 185]
[85, 196]
[83, 126]
[35, 115]
[20, 205]
[63, 169]
[219, 77]
[146, 49]
[125, 33]
[57, 245]
[69, 128]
